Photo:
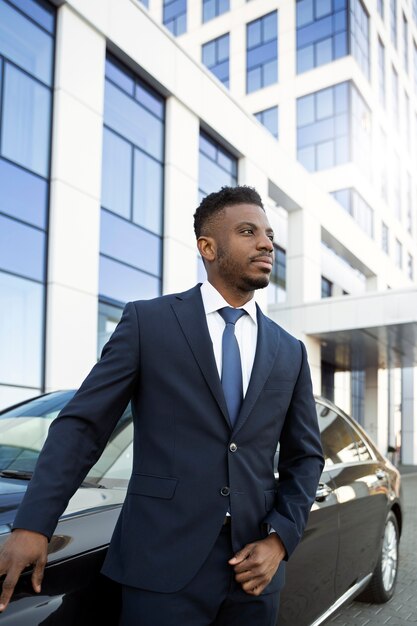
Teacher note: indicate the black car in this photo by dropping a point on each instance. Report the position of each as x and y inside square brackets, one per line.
[349, 548]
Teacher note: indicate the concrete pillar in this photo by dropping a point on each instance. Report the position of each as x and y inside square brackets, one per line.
[313, 348]
[73, 255]
[181, 197]
[408, 416]
[371, 424]
[383, 411]
[303, 258]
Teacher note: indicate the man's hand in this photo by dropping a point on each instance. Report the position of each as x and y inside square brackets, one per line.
[22, 548]
[257, 562]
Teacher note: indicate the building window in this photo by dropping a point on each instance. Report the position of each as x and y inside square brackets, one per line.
[323, 128]
[262, 52]
[361, 131]
[410, 266]
[351, 200]
[393, 22]
[398, 253]
[213, 8]
[145, 3]
[132, 188]
[405, 43]
[381, 73]
[415, 64]
[385, 238]
[321, 32]
[359, 35]
[395, 114]
[175, 16]
[395, 179]
[326, 288]
[269, 118]
[26, 82]
[277, 283]
[217, 166]
[380, 7]
[409, 212]
[383, 169]
[215, 56]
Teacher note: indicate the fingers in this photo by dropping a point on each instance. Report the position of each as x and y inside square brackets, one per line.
[242, 555]
[37, 575]
[9, 584]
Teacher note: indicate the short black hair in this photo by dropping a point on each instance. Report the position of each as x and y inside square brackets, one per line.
[215, 202]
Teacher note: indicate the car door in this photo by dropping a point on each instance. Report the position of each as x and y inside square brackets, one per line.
[361, 490]
[309, 588]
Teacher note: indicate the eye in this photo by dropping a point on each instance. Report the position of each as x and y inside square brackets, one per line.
[247, 230]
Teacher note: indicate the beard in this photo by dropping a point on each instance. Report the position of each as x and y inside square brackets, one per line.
[235, 275]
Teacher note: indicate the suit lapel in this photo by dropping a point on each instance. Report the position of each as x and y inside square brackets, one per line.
[190, 314]
[266, 352]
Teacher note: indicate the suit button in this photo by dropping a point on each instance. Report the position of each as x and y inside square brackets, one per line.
[225, 491]
[233, 447]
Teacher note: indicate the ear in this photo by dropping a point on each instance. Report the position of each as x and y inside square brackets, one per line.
[207, 248]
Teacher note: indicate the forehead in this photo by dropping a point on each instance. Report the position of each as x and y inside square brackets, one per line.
[237, 213]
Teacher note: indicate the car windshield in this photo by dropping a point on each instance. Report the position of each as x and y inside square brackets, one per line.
[24, 428]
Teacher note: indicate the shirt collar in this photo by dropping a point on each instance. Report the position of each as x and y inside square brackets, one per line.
[213, 301]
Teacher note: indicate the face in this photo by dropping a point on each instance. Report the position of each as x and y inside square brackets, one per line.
[241, 251]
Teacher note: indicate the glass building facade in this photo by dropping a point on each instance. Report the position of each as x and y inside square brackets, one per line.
[333, 127]
[213, 8]
[175, 16]
[269, 118]
[262, 52]
[352, 201]
[359, 35]
[132, 191]
[215, 56]
[27, 32]
[277, 283]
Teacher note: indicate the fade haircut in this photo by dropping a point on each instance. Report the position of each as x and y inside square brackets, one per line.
[214, 203]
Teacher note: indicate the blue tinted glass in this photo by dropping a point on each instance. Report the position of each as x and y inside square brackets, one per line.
[131, 120]
[209, 10]
[173, 8]
[254, 33]
[221, 70]
[263, 53]
[269, 26]
[224, 5]
[304, 12]
[323, 7]
[324, 51]
[145, 2]
[306, 157]
[212, 177]
[122, 283]
[343, 198]
[24, 43]
[130, 244]
[342, 150]
[207, 147]
[325, 155]
[180, 24]
[340, 45]
[150, 100]
[317, 30]
[254, 79]
[116, 177]
[341, 97]
[209, 53]
[270, 73]
[340, 21]
[22, 194]
[305, 110]
[147, 192]
[120, 76]
[39, 11]
[26, 121]
[21, 331]
[305, 59]
[341, 124]
[324, 103]
[223, 48]
[22, 249]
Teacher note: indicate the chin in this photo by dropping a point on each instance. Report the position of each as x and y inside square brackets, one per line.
[256, 283]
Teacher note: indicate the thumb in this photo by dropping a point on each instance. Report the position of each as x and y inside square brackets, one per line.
[241, 555]
[37, 575]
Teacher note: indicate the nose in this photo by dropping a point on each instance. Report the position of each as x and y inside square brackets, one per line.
[265, 243]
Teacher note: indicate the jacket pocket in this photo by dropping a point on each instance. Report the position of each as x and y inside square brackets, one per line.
[152, 486]
[269, 499]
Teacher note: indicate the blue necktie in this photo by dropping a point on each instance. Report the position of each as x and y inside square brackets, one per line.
[231, 363]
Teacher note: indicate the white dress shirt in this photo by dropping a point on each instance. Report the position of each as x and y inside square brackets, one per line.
[246, 330]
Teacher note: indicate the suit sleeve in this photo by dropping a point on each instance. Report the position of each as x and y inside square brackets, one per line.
[300, 463]
[79, 434]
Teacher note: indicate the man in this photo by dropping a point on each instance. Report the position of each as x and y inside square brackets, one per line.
[204, 533]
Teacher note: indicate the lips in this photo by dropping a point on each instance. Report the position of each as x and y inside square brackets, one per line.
[263, 261]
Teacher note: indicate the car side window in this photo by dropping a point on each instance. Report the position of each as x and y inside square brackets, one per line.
[337, 437]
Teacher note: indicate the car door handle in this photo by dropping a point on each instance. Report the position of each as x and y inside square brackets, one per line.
[323, 491]
[380, 474]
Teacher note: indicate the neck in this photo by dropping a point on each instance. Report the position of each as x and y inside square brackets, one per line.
[233, 295]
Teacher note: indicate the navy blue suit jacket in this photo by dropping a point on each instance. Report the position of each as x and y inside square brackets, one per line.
[161, 358]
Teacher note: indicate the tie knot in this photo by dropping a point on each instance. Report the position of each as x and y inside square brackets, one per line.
[231, 315]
